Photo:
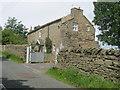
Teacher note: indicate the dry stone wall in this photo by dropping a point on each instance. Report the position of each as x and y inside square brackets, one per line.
[49, 58]
[105, 63]
[18, 50]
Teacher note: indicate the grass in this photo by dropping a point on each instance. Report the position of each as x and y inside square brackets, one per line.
[80, 80]
[12, 57]
[0, 53]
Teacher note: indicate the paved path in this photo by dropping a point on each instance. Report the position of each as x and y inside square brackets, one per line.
[1, 86]
[39, 67]
[22, 76]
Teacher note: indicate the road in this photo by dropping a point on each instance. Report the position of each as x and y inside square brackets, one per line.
[19, 76]
[0, 73]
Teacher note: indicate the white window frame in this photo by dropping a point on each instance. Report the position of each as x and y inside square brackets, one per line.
[88, 27]
[75, 26]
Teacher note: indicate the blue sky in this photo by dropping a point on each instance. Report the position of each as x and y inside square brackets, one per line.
[33, 13]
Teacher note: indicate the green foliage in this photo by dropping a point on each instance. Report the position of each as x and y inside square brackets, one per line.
[48, 44]
[35, 46]
[12, 57]
[8, 37]
[0, 53]
[5, 54]
[16, 27]
[0, 28]
[80, 80]
[0, 36]
[107, 18]
[14, 32]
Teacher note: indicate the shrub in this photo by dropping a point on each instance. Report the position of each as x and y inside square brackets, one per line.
[8, 37]
[48, 44]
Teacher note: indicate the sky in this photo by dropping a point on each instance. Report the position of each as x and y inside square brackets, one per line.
[34, 12]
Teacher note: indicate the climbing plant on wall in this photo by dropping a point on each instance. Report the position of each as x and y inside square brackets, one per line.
[48, 44]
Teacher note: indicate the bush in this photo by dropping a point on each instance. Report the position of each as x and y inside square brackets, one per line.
[48, 44]
[8, 37]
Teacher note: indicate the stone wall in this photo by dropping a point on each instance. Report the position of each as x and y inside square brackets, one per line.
[18, 50]
[49, 58]
[96, 61]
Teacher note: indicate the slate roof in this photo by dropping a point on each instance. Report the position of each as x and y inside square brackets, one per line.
[47, 24]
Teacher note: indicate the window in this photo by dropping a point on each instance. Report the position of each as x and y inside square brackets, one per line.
[88, 27]
[75, 27]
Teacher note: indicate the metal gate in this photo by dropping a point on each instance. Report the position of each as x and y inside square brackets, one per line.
[37, 57]
[34, 56]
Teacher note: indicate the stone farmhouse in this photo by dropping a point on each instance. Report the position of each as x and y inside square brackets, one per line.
[73, 30]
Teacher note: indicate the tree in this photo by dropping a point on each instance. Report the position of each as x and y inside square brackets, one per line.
[48, 44]
[0, 28]
[107, 18]
[16, 27]
[14, 32]
[0, 34]
[8, 37]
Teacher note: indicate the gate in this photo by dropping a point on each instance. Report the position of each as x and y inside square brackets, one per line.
[34, 56]
[37, 57]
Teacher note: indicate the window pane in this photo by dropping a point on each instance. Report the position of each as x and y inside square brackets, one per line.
[75, 27]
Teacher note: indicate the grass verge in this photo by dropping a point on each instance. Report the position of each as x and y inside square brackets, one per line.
[80, 80]
[0, 53]
[12, 57]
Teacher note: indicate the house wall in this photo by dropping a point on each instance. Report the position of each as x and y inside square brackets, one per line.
[80, 38]
[61, 32]
[54, 34]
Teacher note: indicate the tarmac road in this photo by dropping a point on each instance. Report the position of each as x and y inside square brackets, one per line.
[19, 76]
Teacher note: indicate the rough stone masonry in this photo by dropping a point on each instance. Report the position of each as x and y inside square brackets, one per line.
[18, 50]
[105, 63]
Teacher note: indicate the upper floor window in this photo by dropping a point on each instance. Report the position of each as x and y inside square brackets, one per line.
[75, 27]
[88, 27]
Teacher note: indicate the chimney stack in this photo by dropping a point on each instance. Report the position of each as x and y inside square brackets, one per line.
[76, 11]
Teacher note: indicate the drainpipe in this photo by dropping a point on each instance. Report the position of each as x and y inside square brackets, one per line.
[48, 31]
